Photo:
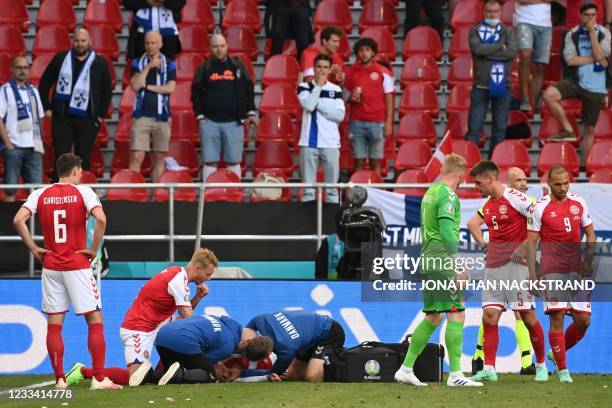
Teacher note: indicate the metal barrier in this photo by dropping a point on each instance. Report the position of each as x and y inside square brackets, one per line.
[171, 237]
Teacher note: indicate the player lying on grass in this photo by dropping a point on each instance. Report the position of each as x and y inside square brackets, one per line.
[505, 214]
[154, 306]
[556, 221]
[300, 340]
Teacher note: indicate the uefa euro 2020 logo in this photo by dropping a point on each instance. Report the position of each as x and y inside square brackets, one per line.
[372, 368]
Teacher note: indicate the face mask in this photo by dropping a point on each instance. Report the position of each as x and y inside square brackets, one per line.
[492, 21]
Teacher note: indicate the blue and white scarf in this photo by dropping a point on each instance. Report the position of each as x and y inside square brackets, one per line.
[163, 101]
[156, 18]
[497, 75]
[79, 97]
[27, 115]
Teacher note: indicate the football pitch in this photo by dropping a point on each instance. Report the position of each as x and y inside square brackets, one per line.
[510, 391]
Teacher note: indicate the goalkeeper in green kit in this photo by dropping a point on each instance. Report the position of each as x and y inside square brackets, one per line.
[440, 218]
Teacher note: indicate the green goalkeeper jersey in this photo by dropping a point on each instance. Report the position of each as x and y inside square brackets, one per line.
[439, 202]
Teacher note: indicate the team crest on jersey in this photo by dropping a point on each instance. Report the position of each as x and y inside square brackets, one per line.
[574, 209]
[374, 76]
[503, 209]
[450, 208]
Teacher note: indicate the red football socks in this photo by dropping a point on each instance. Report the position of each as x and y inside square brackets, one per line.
[557, 343]
[117, 375]
[573, 335]
[490, 343]
[97, 349]
[55, 348]
[536, 334]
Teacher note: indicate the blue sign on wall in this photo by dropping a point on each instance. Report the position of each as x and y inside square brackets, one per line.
[23, 326]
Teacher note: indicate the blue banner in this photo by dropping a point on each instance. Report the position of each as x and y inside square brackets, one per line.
[23, 326]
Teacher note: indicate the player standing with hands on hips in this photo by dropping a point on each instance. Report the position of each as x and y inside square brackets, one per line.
[67, 277]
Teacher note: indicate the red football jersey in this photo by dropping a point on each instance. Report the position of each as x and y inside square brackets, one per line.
[243, 363]
[308, 58]
[62, 212]
[158, 300]
[375, 81]
[558, 224]
[506, 218]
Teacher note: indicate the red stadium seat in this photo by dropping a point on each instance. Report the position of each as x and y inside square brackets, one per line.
[558, 36]
[235, 194]
[48, 160]
[600, 156]
[460, 43]
[420, 68]
[14, 13]
[289, 48]
[281, 69]
[111, 69]
[467, 13]
[344, 50]
[87, 177]
[412, 154]
[127, 194]
[468, 150]
[457, 126]
[103, 12]
[276, 127]
[198, 13]
[186, 66]
[185, 128]
[185, 155]
[47, 129]
[419, 97]
[601, 176]
[50, 40]
[121, 159]
[459, 99]
[416, 126]
[603, 128]
[507, 14]
[56, 12]
[562, 153]
[180, 194]
[104, 41]
[5, 69]
[570, 106]
[385, 41]
[243, 13]
[242, 40]
[378, 13]
[422, 40]
[552, 71]
[102, 135]
[280, 98]
[248, 63]
[366, 177]
[333, 13]
[412, 176]
[550, 127]
[128, 98]
[122, 130]
[512, 153]
[11, 41]
[97, 161]
[273, 156]
[194, 40]
[180, 100]
[460, 71]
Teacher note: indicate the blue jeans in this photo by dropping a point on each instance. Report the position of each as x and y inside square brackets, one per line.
[22, 162]
[221, 136]
[500, 108]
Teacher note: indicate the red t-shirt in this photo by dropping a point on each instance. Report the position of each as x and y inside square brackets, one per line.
[558, 224]
[62, 211]
[506, 218]
[158, 300]
[572, 12]
[375, 81]
[308, 58]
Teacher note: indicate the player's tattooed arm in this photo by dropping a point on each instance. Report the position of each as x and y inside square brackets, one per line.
[201, 292]
[591, 239]
[184, 312]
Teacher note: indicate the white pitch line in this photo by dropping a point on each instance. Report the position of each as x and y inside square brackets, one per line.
[42, 384]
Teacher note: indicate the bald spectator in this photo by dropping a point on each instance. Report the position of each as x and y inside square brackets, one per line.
[223, 99]
[154, 15]
[83, 91]
[20, 128]
[153, 80]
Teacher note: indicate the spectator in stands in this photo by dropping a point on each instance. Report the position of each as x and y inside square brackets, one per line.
[83, 92]
[154, 15]
[223, 98]
[369, 88]
[330, 41]
[586, 50]
[572, 12]
[433, 9]
[21, 111]
[534, 37]
[493, 48]
[320, 137]
[288, 19]
[153, 80]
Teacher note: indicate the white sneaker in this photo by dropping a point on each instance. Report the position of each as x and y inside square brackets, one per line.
[105, 384]
[61, 384]
[461, 381]
[407, 376]
[169, 373]
[138, 376]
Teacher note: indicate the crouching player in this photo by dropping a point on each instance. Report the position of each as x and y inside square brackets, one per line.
[154, 306]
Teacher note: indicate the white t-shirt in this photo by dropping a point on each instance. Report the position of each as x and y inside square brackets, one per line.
[8, 110]
[534, 14]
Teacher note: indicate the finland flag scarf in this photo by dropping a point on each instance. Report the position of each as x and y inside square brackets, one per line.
[497, 75]
[163, 101]
[28, 114]
[79, 97]
[156, 18]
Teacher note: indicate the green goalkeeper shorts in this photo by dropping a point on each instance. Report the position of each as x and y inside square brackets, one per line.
[440, 300]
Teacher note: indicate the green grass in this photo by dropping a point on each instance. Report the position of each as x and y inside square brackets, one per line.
[510, 391]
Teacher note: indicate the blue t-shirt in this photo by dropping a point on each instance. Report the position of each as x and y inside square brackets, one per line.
[589, 79]
[216, 337]
[149, 103]
[291, 332]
